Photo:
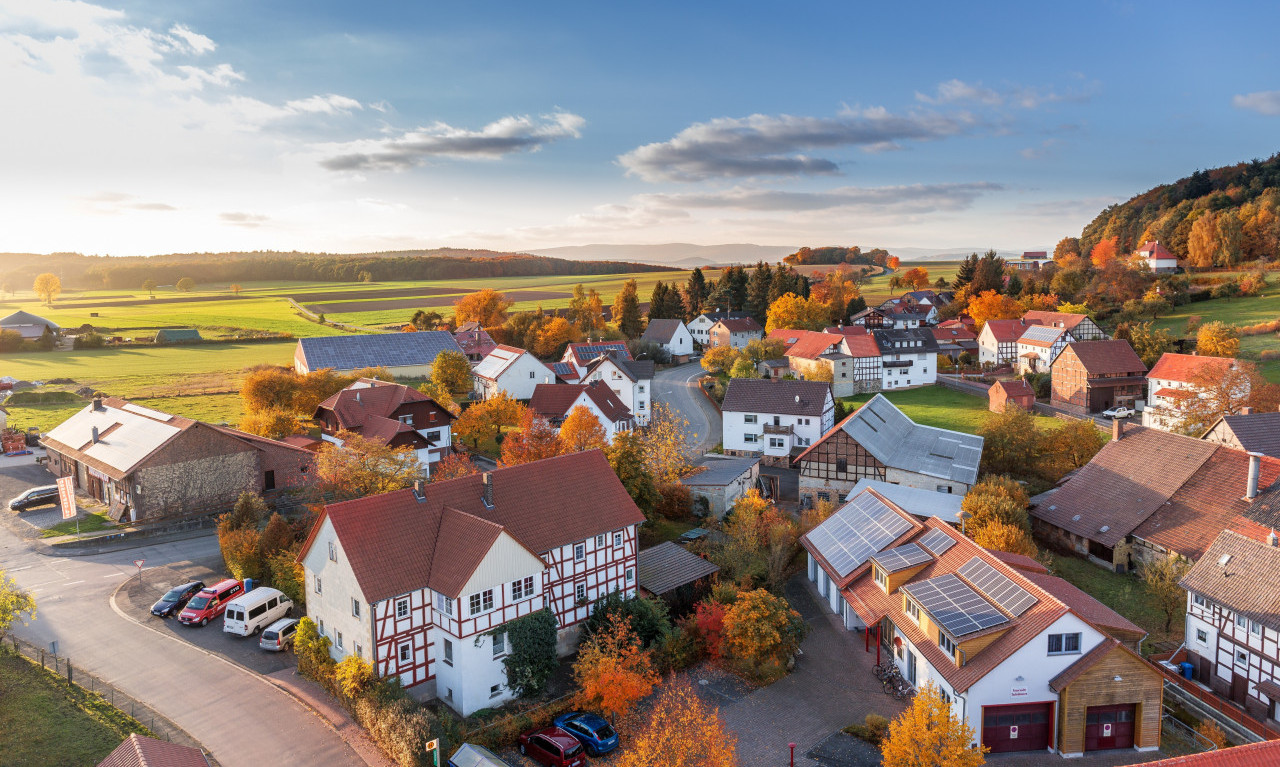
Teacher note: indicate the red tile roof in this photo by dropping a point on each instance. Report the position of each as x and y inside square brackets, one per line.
[1065, 320]
[842, 330]
[1156, 251]
[383, 430]
[1181, 367]
[957, 332]
[140, 751]
[1264, 754]
[808, 344]
[740, 324]
[474, 339]
[862, 346]
[1018, 388]
[1087, 661]
[1019, 561]
[1110, 357]
[1008, 331]
[1084, 605]
[553, 401]
[352, 406]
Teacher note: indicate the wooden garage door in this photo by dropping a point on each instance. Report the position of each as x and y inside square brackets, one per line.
[1020, 727]
[1109, 727]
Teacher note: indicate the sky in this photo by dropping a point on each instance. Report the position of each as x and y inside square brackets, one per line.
[133, 128]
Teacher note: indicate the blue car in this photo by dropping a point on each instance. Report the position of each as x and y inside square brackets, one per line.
[595, 734]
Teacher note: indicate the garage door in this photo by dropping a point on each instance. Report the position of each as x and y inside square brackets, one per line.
[1021, 727]
[1109, 727]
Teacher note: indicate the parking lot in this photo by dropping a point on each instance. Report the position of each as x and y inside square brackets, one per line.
[21, 473]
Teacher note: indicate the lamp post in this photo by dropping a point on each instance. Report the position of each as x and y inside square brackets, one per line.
[964, 515]
[793, 754]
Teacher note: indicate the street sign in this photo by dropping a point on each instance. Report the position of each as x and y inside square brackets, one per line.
[433, 746]
[138, 563]
[67, 496]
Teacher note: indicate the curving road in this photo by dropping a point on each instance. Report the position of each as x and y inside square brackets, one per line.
[676, 388]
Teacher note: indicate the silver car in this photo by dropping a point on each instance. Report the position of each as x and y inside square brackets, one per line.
[279, 635]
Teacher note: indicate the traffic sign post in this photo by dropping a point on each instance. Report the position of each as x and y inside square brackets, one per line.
[433, 746]
[138, 564]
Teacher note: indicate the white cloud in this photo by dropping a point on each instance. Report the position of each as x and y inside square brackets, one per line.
[958, 91]
[1262, 102]
[778, 145]
[249, 220]
[328, 104]
[912, 198]
[196, 42]
[115, 203]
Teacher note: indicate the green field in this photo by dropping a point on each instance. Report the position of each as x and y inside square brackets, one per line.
[943, 408]
[226, 407]
[1238, 312]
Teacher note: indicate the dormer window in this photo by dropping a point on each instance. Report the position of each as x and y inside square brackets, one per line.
[948, 646]
[881, 579]
[407, 420]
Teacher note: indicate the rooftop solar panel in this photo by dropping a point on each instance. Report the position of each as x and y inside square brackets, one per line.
[861, 527]
[997, 587]
[902, 558]
[937, 541]
[958, 609]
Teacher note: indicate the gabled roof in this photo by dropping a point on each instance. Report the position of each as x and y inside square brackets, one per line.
[808, 344]
[1044, 336]
[1008, 331]
[914, 500]
[1256, 432]
[1109, 357]
[1019, 561]
[1183, 367]
[1242, 574]
[496, 362]
[661, 331]
[1014, 389]
[898, 442]
[582, 354]
[1155, 251]
[565, 371]
[1090, 659]
[668, 566]
[862, 346]
[776, 396]
[141, 751]
[26, 318]
[355, 405]
[1264, 754]
[718, 471]
[1084, 605]
[888, 338]
[473, 339]
[740, 325]
[715, 316]
[171, 335]
[636, 370]
[842, 330]
[1068, 320]
[382, 349]
[1035, 254]
[554, 401]
[381, 429]
[953, 333]
[127, 435]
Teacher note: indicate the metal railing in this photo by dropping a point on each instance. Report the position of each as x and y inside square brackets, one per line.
[1190, 735]
[1209, 700]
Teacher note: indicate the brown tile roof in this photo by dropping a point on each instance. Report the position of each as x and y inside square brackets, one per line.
[1018, 388]
[661, 330]
[1065, 320]
[1155, 250]
[957, 332]
[1248, 584]
[553, 401]
[1256, 432]
[1084, 605]
[757, 395]
[1126, 482]
[1008, 331]
[740, 324]
[296, 446]
[474, 339]
[842, 330]
[668, 566]
[808, 344]
[1181, 367]
[1264, 754]
[1111, 357]
[140, 751]
[383, 430]
[1019, 561]
[352, 407]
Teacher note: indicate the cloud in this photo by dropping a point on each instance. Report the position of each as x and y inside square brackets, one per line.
[516, 133]
[196, 42]
[329, 104]
[1262, 102]
[913, 198]
[1045, 149]
[958, 91]
[247, 220]
[778, 145]
[1027, 97]
[115, 203]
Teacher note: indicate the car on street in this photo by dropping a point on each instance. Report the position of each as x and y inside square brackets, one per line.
[552, 746]
[210, 602]
[176, 598]
[1119, 411]
[36, 496]
[279, 635]
[592, 731]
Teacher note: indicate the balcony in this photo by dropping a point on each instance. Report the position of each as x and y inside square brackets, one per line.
[772, 429]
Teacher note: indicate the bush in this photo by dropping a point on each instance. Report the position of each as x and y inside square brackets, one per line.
[89, 341]
[675, 650]
[353, 675]
[312, 650]
[1269, 354]
[10, 340]
[648, 617]
[43, 398]
[874, 729]
[674, 501]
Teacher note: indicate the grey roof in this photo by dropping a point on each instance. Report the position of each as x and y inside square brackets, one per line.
[640, 370]
[1042, 333]
[757, 395]
[667, 567]
[386, 349]
[169, 335]
[661, 331]
[897, 441]
[888, 338]
[914, 500]
[26, 318]
[1256, 432]
[719, 471]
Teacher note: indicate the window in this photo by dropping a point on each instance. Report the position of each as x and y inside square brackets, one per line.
[643, 405]
[499, 645]
[1197, 600]
[946, 697]
[444, 604]
[1255, 628]
[600, 541]
[1062, 644]
[802, 441]
[1202, 636]
[406, 652]
[402, 608]
[495, 690]
[913, 610]
[617, 540]
[482, 602]
[580, 592]
[842, 465]
[946, 644]
[1241, 621]
[318, 589]
[631, 575]
[521, 589]
[641, 388]
[355, 608]
[775, 442]
[824, 495]
[531, 374]
[448, 653]
[407, 420]
[1242, 658]
[580, 551]
[333, 551]
[359, 650]
[338, 639]
[752, 438]
[320, 626]
[433, 436]
[879, 575]
[750, 418]
[944, 488]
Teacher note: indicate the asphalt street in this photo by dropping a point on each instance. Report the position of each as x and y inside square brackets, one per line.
[677, 387]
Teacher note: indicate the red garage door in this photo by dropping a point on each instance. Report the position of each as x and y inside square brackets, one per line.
[1109, 727]
[1020, 727]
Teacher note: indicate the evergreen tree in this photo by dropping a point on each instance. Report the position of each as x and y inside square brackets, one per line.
[964, 275]
[695, 292]
[658, 302]
[736, 279]
[856, 305]
[626, 310]
[1014, 286]
[758, 291]
[988, 274]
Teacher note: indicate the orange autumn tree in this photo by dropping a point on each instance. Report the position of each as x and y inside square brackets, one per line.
[682, 730]
[537, 439]
[1002, 536]
[916, 277]
[485, 420]
[927, 735]
[613, 671]
[453, 466]
[894, 262]
[1104, 252]
[990, 305]
[762, 629]
[487, 307]
[581, 430]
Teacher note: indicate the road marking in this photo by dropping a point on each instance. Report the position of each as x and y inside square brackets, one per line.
[114, 575]
[72, 583]
[20, 569]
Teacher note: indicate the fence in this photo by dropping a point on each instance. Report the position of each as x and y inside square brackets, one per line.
[1211, 701]
[63, 667]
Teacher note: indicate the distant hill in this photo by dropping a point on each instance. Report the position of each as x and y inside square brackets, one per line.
[1239, 204]
[677, 254]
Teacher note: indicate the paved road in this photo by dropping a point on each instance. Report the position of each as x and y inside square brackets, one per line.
[240, 718]
[676, 388]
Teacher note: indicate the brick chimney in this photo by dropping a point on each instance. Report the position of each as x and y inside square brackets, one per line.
[1246, 410]
[487, 480]
[1255, 468]
[1117, 429]
[419, 489]
[97, 403]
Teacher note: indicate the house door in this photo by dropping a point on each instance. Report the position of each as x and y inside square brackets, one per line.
[1205, 674]
[1109, 727]
[1020, 727]
[1239, 688]
[911, 667]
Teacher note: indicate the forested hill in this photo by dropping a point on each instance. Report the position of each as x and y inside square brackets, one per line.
[446, 263]
[838, 255]
[1218, 217]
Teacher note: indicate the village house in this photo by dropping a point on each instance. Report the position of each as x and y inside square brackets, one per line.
[736, 333]
[631, 380]
[850, 362]
[555, 401]
[774, 368]
[671, 335]
[700, 326]
[1030, 261]
[1005, 393]
[908, 357]
[509, 369]
[998, 341]
[1232, 621]
[880, 442]
[1148, 494]
[145, 464]
[905, 313]
[871, 318]
[474, 340]
[719, 481]
[1248, 431]
[405, 355]
[1092, 376]
[1158, 258]
[580, 356]
[775, 418]
[930, 298]
[1039, 346]
[389, 414]
[420, 582]
[1171, 385]
[1079, 325]
[1027, 669]
[955, 339]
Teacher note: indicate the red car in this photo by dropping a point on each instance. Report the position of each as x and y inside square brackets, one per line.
[553, 746]
[210, 602]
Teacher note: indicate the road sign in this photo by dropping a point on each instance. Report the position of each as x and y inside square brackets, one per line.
[67, 496]
[433, 746]
[138, 563]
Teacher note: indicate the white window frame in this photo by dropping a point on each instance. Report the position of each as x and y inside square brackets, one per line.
[480, 603]
[499, 644]
[333, 551]
[749, 418]
[447, 656]
[600, 541]
[618, 539]
[1063, 643]
[355, 607]
[579, 552]
[399, 604]
[406, 652]
[1202, 636]
[337, 639]
[631, 574]
[580, 591]
[319, 587]
[947, 644]
[444, 604]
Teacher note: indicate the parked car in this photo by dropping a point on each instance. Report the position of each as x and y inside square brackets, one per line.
[176, 599]
[1119, 411]
[210, 601]
[593, 732]
[36, 496]
[253, 611]
[554, 747]
[279, 635]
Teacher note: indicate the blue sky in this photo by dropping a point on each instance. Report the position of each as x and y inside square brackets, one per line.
[144, 127]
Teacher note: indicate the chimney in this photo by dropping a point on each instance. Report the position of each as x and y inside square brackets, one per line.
[487, 479]
[95, 435]
[357, 395]
[1246, 410]
[419, 488]
[97, 403]
[1255, 467]
[1117, 430]
[1273, 540]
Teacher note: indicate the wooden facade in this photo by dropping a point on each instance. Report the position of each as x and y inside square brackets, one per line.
[1116, 681]
[834, 466]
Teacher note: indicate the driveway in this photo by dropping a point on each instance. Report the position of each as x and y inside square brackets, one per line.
[676, 387]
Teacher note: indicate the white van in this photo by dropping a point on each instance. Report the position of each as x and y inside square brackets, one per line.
[252, 611]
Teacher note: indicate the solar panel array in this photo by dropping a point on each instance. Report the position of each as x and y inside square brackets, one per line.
[958, 609]
[937, 541]
[997, 587]
[858, 530]
[902, 558]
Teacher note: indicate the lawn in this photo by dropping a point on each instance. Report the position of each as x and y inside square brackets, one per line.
[1238, 312]
[1123, 593]
[942, 407]
[46, 720]
[222, 408]
[91, 523]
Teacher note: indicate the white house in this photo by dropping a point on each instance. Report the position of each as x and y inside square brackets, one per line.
[736, 333]
[421, 581]
[700, 326]
[672, 335]
[908, 357]
[509, 369]
[580, 356]
[1039, 346]
[631, 380]
[1158, 258]
[1081, 327]
[774, 417]
[391, 414]
[1016, 658]
[998, 341]
[554, 402]
[1172, 384]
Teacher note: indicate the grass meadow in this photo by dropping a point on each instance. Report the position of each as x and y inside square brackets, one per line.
[943, 408]
[1238, 312]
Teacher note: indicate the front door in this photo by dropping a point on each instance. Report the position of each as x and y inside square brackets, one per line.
[1206, 671]
[1239, 688]
[911, 667]
[1020, 727]
[1109, 727]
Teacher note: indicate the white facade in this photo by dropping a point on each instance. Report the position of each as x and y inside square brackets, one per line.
[737, 339]
[1163, 409]
[331, 589]
[995, 352]
[635, 393]
[681, 342]
[611, 428]
[700, 329]
[904, 369]
[516, 374]
[1045, 355]
[775, 434]
[1234, 645]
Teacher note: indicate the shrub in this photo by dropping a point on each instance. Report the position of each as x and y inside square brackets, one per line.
[874, 729]
[1193, 324]
[10, 340]
[353, 676]
[1213, 733]
[312, 650]
[762, 631]
[674, 502]
[708, 623]
[647, 617]
[677, 649]
[240, 552]
[1270, 354]
[89, 341]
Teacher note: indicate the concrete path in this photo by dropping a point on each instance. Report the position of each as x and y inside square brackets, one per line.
[676, 388]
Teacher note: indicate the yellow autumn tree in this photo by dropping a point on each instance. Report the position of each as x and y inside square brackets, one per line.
[485, 420]
[1202, 241]
[666, 443]
[1002, 536]
[272, 423]
[487, 307]
[364, 467]
[581, 430]
[928, 735]
[720, 359]
[990, 305]
[47, 286]
[613, 671]
[761, 629]
[681, 730]
[1215, 339]
[795, 313]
